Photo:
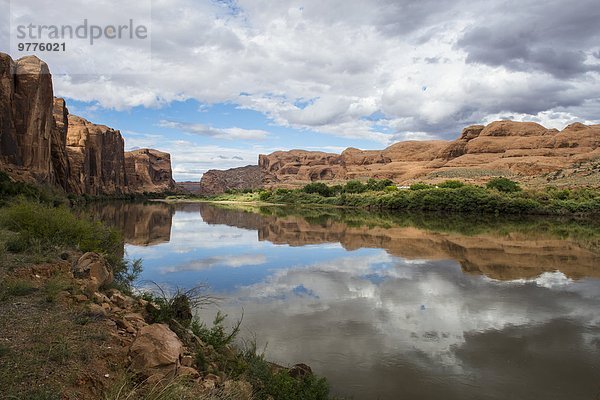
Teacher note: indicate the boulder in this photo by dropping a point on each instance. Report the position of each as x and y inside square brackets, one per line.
[300, 371]
[94, 270]
[155, 352]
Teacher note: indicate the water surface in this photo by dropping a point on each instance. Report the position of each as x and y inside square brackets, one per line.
[391, 306]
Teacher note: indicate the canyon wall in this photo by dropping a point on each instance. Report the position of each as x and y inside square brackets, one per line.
[216, 181]
[26, 118]
[41, 142]
[149, 171]
[524, 151]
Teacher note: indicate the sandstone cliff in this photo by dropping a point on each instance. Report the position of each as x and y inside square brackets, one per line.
[26, 120]
[522, 150]
[97, 157]
[215, 181]
[149, 171]
[41, 142]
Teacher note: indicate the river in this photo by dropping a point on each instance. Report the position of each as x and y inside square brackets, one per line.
[390, 306]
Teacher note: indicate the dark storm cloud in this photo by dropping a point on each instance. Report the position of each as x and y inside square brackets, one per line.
[555, 37]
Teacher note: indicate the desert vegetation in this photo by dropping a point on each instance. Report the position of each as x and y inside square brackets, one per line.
[65, 335]
[500, 196]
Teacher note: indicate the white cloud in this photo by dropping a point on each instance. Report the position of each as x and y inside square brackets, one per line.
[402, 59]
[219, 133]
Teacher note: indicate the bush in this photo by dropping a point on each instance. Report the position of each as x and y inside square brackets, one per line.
[378, 185]
[420, 186]
[318, 188]
[216, 336]
[391, 188]
[451, 184]
[503, 185]
[42, 228]
[355, 186]
[176, 306]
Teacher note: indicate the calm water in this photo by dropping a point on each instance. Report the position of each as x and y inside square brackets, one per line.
[392, 307]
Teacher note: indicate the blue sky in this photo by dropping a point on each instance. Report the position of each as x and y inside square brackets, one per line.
[201, 134]
[217, 82]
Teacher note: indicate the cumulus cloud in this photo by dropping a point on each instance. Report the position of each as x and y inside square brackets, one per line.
[234, 261]
[328, 66]
[220, 133]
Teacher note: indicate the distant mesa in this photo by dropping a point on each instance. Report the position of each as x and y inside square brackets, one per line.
[524, 151]
[41, 142]
[216, 181]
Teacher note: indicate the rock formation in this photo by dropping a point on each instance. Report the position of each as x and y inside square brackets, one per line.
[97, 157]
[155, 352]
[149, 171]
[41, 142]
[26, 119]
[522, 150]
[215, 181]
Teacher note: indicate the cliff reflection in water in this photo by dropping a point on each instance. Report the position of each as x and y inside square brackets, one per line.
[391, 306]
[499, 249]
[142, 224]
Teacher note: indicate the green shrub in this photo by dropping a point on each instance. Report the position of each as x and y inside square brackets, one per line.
[420, 186]
[216, 335]
[451, 184]
[279, 385]
[355, 186]
[318, 188]
[503, 185]
[44, 227]
[391, 188]
[12, 288]
[377, 185]
[264, 195]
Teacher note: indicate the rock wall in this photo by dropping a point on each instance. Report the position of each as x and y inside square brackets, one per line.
[522, 150]
[215, 181]
[149, 171]
[41, 142]
[26, 120]
[97, 157]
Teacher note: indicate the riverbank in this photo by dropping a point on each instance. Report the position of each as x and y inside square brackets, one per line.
[500, 196]
[73, 325]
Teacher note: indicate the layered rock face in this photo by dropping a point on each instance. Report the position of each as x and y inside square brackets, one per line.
[522, 150]
[215, 181]
[26, 120]
[58, 149]
[149, 171]
[40, 141]
[97, 157]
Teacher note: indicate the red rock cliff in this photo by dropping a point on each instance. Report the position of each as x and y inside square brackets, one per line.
[40, 141]
[523, 150]
[148, 171]
[26, 119]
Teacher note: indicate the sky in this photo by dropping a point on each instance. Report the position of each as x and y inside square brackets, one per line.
[217, 82]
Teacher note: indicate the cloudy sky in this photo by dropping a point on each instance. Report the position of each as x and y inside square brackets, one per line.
[220, 81]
